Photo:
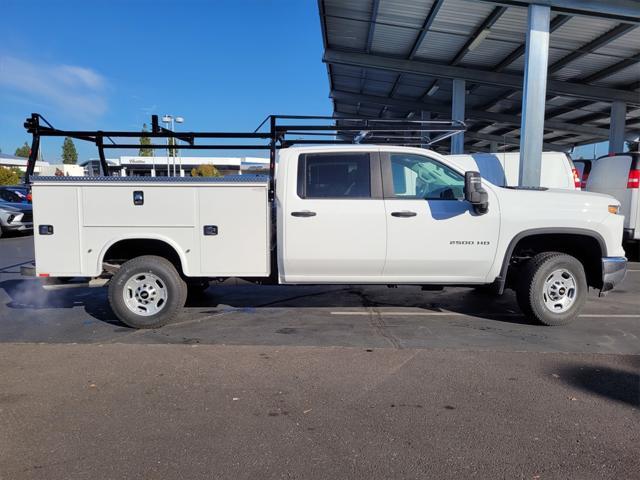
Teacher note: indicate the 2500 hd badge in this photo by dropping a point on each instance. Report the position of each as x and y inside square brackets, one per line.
[469, 242]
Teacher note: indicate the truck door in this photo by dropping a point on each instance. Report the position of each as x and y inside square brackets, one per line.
[334, 219]
[433, 234]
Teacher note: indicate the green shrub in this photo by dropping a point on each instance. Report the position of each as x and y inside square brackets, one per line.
[9, 176]
[205, 171]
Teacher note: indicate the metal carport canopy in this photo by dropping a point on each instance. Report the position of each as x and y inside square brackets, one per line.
[399, 58]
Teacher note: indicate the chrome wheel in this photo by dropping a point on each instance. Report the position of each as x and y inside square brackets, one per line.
[559, 291]
[145, 294]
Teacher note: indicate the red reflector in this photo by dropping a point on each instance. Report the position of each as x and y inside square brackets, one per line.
[585, 177]
[43, 274]
[634, 179]
[576, 178]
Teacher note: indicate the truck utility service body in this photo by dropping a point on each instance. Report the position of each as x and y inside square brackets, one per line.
[340, 214]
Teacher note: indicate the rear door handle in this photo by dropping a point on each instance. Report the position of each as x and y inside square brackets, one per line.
[403, 214]
[303, 213]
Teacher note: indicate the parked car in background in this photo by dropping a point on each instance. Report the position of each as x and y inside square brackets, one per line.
[15, 194]
[503, 168]
[15, 217]
[618, 175]
[583, 167]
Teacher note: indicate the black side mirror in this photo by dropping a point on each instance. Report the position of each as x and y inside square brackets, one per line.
[475, 194]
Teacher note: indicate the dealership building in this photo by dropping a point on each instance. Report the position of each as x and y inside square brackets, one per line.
[126, 166]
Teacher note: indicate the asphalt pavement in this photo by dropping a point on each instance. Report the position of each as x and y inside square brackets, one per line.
[315, 382]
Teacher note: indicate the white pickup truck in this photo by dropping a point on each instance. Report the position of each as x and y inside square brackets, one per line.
[342, 214]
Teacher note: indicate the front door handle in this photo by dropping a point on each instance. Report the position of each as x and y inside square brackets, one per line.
[303, 213]
[403, 214]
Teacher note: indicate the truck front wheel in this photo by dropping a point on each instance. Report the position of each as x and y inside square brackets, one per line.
[552, 288]
[147, 292]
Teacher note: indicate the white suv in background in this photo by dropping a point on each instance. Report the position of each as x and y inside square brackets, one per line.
[502, 168]
[618, 175]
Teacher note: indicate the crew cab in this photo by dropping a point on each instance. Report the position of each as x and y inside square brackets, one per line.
[340, 214]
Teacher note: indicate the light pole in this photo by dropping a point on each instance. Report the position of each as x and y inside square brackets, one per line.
[168, 119]
[178, 120]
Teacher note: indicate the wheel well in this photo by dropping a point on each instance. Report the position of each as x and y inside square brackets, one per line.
[585, 248]
[125, 250]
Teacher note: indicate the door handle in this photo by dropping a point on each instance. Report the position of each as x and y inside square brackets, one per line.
[403, 214]
[303, 213]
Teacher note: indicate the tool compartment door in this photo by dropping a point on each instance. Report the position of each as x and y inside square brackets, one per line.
[57, 253]
[234, 228]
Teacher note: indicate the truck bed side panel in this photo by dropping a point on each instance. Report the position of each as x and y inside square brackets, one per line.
[89, 216]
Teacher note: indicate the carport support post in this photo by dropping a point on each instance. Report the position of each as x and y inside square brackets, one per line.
[458, 95]
[533, 95]
[616, 127]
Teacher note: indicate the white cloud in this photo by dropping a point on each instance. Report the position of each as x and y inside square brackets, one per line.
[77, 91]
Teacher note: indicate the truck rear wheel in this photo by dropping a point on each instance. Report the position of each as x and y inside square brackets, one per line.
[147, 292]
[552, 288]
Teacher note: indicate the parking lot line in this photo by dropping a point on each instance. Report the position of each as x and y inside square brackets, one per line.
[458, 314]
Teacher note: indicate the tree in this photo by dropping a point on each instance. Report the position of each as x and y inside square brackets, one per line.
[145, 140]
[9, 176]
[23, 151]
[205, 171]
[69, 154]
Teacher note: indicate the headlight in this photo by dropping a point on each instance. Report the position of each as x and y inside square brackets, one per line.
[10, 218]
[614, 209]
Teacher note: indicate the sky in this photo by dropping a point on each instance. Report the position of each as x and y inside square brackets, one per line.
[99, 64]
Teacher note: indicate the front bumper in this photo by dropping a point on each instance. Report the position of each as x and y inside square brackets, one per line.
[614, 270]
[18, 227]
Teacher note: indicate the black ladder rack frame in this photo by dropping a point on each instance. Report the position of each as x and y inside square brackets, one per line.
[284, 131]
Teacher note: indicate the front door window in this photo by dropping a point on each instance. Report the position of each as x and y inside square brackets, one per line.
[415, 176]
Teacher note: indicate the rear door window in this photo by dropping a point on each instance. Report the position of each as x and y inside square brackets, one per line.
[334, 175]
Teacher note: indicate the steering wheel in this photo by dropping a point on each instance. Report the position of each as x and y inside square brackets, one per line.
[422, 187]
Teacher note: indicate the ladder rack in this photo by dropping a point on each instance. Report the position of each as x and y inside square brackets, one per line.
[274, 133]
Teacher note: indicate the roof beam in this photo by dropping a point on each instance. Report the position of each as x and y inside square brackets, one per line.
[592, 46]
[479, 34]
[372, 24]
[431, 69]
[515, 141]
[445, 109]
[372, 29]
[431, 16]
[555, 24]
[428, 21]
[611, 70]
[623, 10]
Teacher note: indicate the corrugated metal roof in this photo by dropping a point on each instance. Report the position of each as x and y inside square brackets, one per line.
[397, 27]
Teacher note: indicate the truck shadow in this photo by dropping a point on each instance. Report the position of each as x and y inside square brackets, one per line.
[29, 295]
[457, 301]
[619, 385]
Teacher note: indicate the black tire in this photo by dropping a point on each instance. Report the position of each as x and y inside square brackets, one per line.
[530, 291]
[171, 283]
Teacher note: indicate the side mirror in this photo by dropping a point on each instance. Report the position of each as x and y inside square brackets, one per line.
[475, 194]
